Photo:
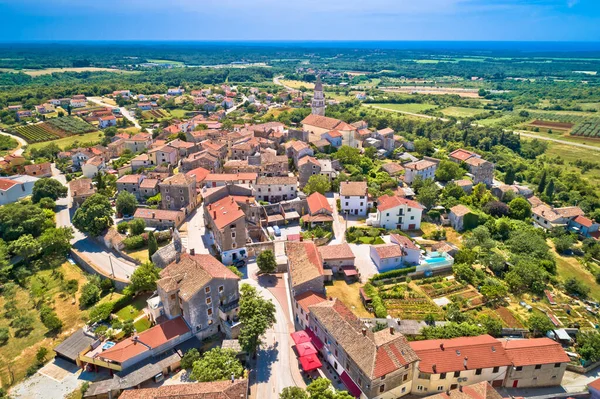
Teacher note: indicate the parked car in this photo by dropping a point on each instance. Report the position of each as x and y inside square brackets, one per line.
[277, 231]
[239, 263]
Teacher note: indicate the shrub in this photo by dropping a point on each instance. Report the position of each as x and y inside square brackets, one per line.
[134, 242]
[4, 335]
[137, 226]
[123, 227]
[50, 319]
[394, 273]
[90, 294]
[101, 312]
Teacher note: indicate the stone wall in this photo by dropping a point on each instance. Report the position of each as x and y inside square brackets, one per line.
[89, 267]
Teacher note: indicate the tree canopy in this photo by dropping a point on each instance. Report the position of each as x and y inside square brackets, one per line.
[256, 315]
[94, 215]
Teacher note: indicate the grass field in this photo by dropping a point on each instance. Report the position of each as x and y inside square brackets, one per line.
[409, 107]
[134, 309]
[349, 295]
[48, 71]
[20, 352]
[571, 154]
[568, 266]
[166, 62]
[461, 112]
[565, 136]
[94, 137]
[451, 235]
[595, 106]
[178, 113]
[297, 84]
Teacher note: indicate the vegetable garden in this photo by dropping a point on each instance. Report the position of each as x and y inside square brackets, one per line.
[71, 125]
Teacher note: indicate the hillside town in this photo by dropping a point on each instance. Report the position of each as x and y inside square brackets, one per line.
[320, 249]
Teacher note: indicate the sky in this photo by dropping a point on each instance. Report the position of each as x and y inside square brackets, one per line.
[472, 20]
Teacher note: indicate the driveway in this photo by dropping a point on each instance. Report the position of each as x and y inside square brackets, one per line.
[195, 235]
[363, 261]
[55, 380]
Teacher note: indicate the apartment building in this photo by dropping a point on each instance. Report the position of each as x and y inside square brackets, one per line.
[423, 168]
[227, 222]
[395, 212]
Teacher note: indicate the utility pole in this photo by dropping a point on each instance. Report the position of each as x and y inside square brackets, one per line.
[111, 266]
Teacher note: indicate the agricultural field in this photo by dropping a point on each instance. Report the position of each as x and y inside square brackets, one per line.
[36, 133]
[297, 84]
[414, 108]
[49, 71]
[587, 129]
[178, 113]
[156, 114]
[407, 301]
[88, 138]
[461, 112]
[557, 116]
[70, 125]
[550, 125]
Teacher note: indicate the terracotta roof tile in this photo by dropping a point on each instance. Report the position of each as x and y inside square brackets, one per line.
[304, 261]
[317, 202]
[334, 252]
[461, 155]
[528, 352]
[309, 298]
[198, 390]
[387, 251]
[224, 211]
[386, 202]
[353, 188]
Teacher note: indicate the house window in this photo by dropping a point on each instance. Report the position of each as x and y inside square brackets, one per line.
[495, 369]
[443, 376]
[519, 368]
[382, 388]
[199, 327]
[538, 366]
[210, 322]
[233, 234]
[383, 377]
[173, 296]
[556, 365]
[404, 377]
[209, 312]
[208, 300]
[478, 372]
[440, 387]
[419, 387]
[346, 204]
[403, 389]
[221, 288]
[336, 353]
[207, 290]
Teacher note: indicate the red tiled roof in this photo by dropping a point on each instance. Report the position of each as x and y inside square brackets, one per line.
[198, 390]
[595, 384]
[461, 154]
[225, 211]
[334, 133]
[162, 214]
[153, 338]
[334, 252]
[448, 355]
[582, 220]
[304, 261]
[481, 390]
[316, 202]
[386, 251]
[528, 352]
[5, 184]
[403, 241]
[353, 188]
[149, 183]
[460, 210]
[386, 202]
[200, 174]
[419, 165]
[129, 179]
[309, 298]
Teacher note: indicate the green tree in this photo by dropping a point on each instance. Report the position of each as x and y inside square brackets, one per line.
[428, 194]
[216, 365]
[50, 319]
[588, 345]
[347, 155]
[318, 184]
[448, 170]
[189, 358]
[56, 241]
[256, 315]
[101, 312]
[542, 183]
[90, 294]
[152, 245]
[539, 324]
[94, 215]
[266, 261]
[509, 177]
[493, 292]
[144, 278]
[48, 188]
[126, 203]
[550, 189]
[424, 147]
[564, 244]
[575, 287]
[128, 328]
[25, 246]
[492, 325]
[47, 203]
[137, 226]
[22, 325]
[41, 355]
[4, 336]
[519, 208]
[293, 393]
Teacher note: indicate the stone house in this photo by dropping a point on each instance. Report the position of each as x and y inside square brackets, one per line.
[457, 215]
[204, 292]
[81, 189]
[319, 210]
[179, 192]
[160, 219]
[424, 168]
[276, 189]
[336, 257]
[203, 159]
[131, 184]
[227, 222]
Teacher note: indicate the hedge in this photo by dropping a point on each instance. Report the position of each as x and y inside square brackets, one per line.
[394, 273]
[378, 305]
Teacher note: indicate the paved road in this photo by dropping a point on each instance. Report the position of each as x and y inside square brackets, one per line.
[273, 359]
[198, 237]
[96, 253]
[19, 150]
[235, 107]
[278, 83]
[580, 145]
[339, 226]
[124, 111]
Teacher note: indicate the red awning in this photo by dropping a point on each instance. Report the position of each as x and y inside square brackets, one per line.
[353, 389]
[310, 362]
[300, 337]
[314, 339]
[349, 271]
[306, 349]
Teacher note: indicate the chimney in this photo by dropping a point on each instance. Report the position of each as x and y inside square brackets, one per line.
[232, 378]
[392, 331]
[442, 346]
[448, 392]
[460, 388]
[364, 332]
[192, 251]
[434, 368]
[465, 362]
[301, 238]
[153, 215]
[214, 214]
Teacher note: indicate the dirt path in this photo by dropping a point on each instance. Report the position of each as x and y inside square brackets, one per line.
[534, 136]
[21, 143]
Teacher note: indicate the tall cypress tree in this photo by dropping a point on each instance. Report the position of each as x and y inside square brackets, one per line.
[542, 185]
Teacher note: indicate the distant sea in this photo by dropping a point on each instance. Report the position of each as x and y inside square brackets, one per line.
[478, 46]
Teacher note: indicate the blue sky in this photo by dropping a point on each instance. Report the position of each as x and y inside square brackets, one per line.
[554, 20]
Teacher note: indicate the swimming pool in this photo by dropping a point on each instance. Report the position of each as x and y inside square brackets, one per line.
[436, 260]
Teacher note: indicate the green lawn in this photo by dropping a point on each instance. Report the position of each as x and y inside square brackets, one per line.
[134, 309]
[568, 266]
[461, 112]
[93, 137]
[142, 324]
[570, 154]
[369, 240]
[178, 113]
[408, 107]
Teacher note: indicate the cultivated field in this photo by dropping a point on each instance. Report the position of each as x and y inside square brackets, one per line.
[469, 93]
[461, 112]
[49, 71]
[408, 107]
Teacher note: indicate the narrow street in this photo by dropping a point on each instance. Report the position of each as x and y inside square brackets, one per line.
[339, 225]
[124, 111]
[196, 236]
[276, 365]
[104, 259]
